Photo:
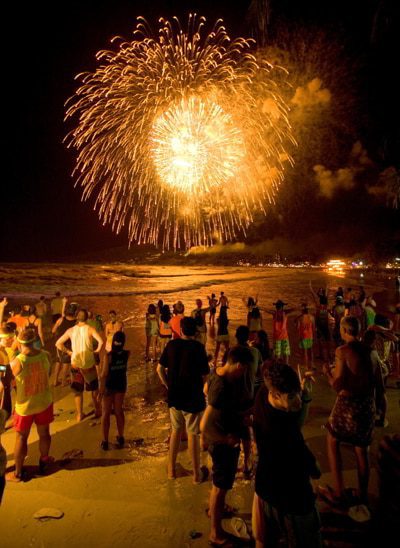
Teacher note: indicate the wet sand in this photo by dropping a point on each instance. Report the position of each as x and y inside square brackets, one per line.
[122, 498]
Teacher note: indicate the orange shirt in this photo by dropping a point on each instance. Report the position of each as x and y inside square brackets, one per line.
[18, 320]
[305, 326]
[175, 324]
[279, 327]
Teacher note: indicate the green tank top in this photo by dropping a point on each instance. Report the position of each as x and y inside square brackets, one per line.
[370, 315]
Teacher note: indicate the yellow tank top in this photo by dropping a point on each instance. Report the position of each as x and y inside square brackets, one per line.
[32, 384]
[4, 359]
[11, 353]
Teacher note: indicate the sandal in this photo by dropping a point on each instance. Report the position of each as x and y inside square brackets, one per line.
[240, 528]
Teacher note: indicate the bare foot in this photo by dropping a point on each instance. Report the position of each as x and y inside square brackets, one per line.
[11, 476]
[97, 413]
[171, 473]
[80, 417]
[56, 383]
[202, 475]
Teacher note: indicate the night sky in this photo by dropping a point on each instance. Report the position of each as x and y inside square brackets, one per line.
[45, 47]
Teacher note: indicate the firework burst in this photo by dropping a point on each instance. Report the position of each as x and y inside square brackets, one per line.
[181, 135]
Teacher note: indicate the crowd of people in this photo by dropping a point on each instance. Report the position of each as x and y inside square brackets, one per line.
[244, 396]
[88, 357]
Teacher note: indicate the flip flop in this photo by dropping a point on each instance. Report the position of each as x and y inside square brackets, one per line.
[240, 528]
[360, 513]
[45, 514]
[227, 543]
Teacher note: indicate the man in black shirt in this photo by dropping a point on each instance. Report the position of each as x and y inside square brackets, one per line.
[183, 369]
[223, 426]
[284, 501]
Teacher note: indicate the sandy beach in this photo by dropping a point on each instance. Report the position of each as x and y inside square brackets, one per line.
[122, 498]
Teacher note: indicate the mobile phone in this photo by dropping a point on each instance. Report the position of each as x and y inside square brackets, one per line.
[3, 368]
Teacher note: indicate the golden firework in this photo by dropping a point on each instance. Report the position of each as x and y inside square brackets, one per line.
[180, 135]
[196, 146]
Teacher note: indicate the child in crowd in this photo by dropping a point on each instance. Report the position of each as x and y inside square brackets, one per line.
[222, 332]
[165, 330]
[152, 332]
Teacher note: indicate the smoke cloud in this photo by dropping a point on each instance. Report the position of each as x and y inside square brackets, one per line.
[266, 247]
[344, 178]
[312, 94]
[330, 181]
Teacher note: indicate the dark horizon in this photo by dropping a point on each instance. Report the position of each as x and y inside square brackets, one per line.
[43, 216]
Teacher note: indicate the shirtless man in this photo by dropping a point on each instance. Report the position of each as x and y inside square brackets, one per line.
[57, 306]
[3, 304]
[41, 308]
[83, 369]
[112, 327]
[223, 300]
[212, 303]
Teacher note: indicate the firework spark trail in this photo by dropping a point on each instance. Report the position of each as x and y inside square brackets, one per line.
[180, 135]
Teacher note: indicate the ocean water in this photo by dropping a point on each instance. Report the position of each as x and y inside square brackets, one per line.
[129, 289]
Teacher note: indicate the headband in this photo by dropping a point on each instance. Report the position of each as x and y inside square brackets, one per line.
[29, 341]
